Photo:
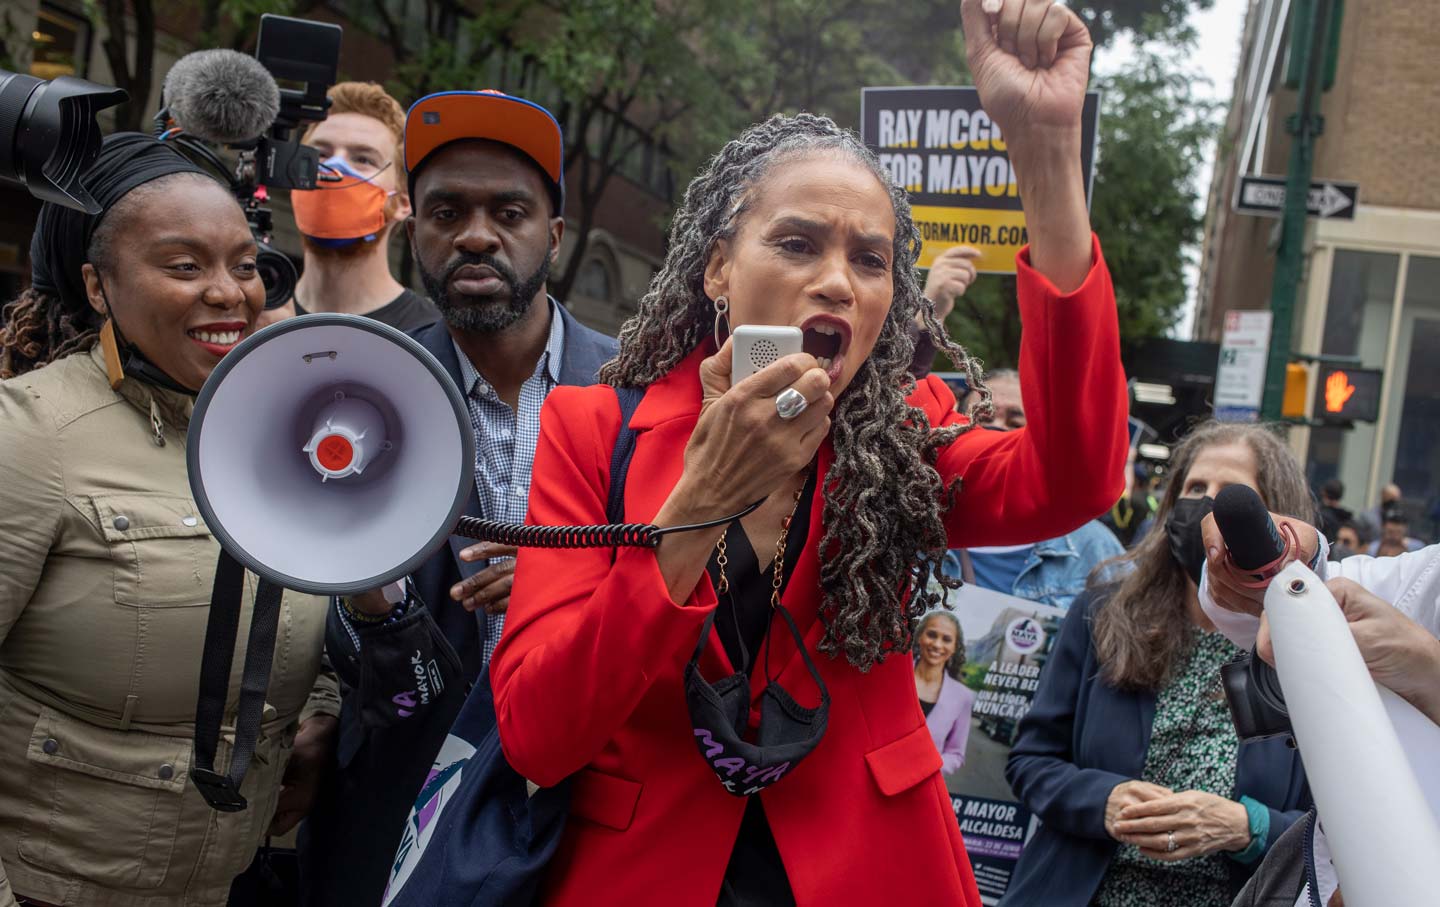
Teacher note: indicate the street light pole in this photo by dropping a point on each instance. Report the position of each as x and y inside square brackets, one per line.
[1308, 40]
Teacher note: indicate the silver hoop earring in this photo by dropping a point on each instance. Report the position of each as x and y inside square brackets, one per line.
[722, 313]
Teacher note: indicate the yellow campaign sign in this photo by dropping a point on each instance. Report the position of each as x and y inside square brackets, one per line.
[940, 144]
[999, 235]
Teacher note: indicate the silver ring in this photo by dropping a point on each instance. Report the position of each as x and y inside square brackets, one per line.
[790, 403]
[1171, 846]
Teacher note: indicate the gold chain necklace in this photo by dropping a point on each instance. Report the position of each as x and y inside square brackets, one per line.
[777, 563]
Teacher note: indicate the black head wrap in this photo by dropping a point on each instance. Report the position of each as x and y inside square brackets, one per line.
[62, 235]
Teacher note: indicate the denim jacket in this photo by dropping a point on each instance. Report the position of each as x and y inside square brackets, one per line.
[1057, 568]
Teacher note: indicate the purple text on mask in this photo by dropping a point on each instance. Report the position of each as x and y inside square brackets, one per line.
[756, 775]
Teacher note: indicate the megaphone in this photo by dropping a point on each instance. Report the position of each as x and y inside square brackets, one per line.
[330, 454]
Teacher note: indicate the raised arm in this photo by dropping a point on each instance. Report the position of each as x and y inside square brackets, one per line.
[1066, 466]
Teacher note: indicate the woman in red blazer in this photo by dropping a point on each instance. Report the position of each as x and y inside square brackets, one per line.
[796, 223]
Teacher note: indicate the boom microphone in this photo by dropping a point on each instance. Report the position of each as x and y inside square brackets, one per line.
[222, 96]
[1249, 532]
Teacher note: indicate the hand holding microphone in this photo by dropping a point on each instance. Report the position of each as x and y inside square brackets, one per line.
[742, 450]
[1252, 537]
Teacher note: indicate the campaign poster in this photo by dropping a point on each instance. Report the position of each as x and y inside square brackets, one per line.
[939, 144]
[1006, 642]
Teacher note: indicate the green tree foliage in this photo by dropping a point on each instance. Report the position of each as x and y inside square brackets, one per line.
[1154, 133]
[627, 77]
[1145, 19]
[619, 75]
[776, 56]
[1146, 200]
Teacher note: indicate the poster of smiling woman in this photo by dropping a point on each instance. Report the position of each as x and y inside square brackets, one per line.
[977, 667]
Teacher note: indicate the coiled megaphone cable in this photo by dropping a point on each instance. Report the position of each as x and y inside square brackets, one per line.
[615, 535]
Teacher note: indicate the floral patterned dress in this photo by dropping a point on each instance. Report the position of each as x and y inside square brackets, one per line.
[1192, 747]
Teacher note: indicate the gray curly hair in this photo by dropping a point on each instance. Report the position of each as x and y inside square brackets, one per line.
[884, 500]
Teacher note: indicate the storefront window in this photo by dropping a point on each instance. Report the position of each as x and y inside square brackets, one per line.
[61, 43]
[1357, 323]
[1412, 432]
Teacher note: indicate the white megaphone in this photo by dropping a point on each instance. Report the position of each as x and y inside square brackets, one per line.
[330, 454]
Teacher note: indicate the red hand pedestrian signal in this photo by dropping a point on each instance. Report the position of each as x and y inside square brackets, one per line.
[1338, 391]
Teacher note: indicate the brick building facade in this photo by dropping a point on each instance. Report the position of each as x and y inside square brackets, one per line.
[1372, 284]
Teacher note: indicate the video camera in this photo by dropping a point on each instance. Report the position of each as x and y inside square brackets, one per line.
[223, 97]
[48, 135]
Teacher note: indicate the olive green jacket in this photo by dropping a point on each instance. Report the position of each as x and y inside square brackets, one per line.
[105, 579]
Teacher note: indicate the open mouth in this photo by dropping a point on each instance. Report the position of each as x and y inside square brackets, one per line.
[826, 339]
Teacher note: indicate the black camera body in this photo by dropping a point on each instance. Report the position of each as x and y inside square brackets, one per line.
[1257, 704]
[302, 52]
[293, 50]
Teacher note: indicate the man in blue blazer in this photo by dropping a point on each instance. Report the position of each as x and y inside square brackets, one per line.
[487, 187]
[1081, 738]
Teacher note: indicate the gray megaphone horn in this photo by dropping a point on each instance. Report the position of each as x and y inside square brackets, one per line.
[330, 454]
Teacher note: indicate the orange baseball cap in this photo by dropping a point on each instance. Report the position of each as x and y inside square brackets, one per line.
[450, 116]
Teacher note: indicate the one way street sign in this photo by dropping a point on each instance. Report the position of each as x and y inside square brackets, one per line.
[1265, 195]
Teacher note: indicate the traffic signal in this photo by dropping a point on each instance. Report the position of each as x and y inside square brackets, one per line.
[1297, 391]
[1348, 394]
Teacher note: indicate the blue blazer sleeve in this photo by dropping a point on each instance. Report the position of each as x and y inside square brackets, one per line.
[1042, 769]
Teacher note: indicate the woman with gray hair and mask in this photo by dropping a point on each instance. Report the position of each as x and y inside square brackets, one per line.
[816, 780]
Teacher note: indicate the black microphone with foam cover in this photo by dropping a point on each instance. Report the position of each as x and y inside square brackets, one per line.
[222, 96]
[1245, 524]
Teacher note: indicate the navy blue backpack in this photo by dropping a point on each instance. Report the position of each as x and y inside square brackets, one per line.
[476, 835]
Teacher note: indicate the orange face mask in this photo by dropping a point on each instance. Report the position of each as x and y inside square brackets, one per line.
[346, 210]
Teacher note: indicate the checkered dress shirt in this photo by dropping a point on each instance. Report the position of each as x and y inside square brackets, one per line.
[505, 442]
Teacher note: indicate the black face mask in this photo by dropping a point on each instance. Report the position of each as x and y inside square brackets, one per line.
[719, 714]
[1183, 529]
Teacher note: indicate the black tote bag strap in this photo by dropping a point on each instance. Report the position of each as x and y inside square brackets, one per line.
[629, 398]
[222, 628]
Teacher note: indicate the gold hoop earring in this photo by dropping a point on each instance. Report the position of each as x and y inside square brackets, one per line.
[722, 313]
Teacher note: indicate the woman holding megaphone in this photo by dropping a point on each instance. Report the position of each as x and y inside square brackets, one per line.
[805, 775]
[106, 568]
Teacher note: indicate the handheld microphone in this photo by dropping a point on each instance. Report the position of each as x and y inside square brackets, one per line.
[1249, 533]
[1252, 688]
[222, 96]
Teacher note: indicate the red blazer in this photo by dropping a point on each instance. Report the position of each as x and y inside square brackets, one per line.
[587, 676]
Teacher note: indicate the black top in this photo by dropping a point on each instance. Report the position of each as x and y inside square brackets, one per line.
[926, 707]
[755, 875]
[405, 312]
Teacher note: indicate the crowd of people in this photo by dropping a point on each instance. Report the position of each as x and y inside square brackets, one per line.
[799, 631]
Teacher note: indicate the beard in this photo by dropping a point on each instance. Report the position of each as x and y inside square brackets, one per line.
[483, 314]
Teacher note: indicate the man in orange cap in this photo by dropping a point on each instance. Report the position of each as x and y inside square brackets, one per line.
[486, 183]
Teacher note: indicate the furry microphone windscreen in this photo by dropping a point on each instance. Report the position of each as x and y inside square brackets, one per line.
[221, 95]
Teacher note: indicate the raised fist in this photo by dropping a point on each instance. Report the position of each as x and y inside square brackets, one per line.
[1030, 60]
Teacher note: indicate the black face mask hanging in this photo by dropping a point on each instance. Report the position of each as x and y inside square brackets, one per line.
[720, 712]
[1182, 527]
